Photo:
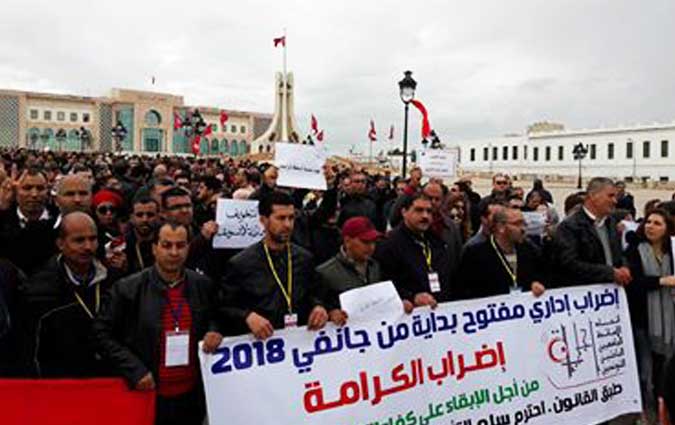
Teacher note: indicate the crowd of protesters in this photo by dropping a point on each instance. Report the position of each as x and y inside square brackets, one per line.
[105, 261]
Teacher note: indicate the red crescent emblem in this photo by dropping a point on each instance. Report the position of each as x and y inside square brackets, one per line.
[557, 355]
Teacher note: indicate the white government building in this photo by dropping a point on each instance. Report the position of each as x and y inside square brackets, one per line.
[634, 153]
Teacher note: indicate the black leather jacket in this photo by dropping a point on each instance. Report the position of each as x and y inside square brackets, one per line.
[129, 325]
[578, 255]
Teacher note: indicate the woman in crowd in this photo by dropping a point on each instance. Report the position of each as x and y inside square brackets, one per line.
[650, 297]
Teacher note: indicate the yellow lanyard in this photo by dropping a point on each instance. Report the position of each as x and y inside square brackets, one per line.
[504, 262]
[426, 250]
[96, 305]
[139, 255]
[288, 292]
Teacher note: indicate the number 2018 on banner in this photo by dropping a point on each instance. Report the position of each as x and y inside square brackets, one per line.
[245, 355]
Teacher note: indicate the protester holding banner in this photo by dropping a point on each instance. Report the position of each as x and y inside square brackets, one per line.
[512, 263]
[414, 258]
[486, 210]
[587, 247]
[150, 323]
[60, 302]
[352, 267]
[270, 285]
[443, 226]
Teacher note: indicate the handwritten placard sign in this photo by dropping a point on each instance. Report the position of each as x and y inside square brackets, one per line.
[300, 166]
[565, 358]
[535, 223]
[438, 163]
[238, 224]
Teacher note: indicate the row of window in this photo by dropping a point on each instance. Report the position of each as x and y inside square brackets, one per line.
[60, 116]
[547, 150]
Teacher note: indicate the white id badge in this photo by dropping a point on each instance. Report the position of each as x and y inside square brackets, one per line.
[515, 290]
[177, 349]
[434, 283]
[291, 320]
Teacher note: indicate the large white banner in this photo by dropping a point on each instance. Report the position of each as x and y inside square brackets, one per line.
[238, 224]
[438, 163]
[300, 166]
[566, 358]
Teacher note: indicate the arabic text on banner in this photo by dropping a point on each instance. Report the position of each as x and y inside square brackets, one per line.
[300, 166]
[438, 163]
[238, 224]
[566, 358]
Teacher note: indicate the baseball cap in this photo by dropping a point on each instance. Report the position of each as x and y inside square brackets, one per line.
[360, 227]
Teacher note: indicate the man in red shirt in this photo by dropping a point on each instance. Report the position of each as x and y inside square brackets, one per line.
[150, 323]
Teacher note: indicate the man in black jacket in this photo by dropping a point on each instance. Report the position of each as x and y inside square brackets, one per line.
[414, 258]
[60, 302]
[149, 326]
[353, 267]
[270, 285]
[27, 228]
[144, 220]
[505, 263]
[586, 246]
[357, 203]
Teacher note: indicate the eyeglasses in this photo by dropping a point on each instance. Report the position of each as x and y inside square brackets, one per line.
[105, 209]
[501, 182]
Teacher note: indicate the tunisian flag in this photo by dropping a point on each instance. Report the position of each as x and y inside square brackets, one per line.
[372, 134]
[104, 401]
[426, 128]
[223, 118]
[177, 122]
[195, 144]
[315, 125]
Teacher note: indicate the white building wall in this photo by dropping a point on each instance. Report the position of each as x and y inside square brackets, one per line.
[653, 166]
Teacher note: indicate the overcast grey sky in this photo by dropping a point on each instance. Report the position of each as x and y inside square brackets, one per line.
[483, 68]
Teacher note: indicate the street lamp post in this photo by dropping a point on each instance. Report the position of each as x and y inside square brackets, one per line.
[579, 152]
[119, 133]
[407, 88]
[60, 138]
[33, 140]
[85, 138]
[634, 152]
[45, 138]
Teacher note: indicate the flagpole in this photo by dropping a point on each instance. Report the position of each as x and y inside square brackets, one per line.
[370, 155]
[284, 53]
[284, 97]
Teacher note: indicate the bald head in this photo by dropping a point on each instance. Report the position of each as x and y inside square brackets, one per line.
[74, 222]
[160, 171]
[78, 241]
[73, 193]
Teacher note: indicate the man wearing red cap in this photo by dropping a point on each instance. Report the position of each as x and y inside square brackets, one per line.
[352, 267]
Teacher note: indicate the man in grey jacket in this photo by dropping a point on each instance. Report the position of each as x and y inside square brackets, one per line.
[352, 267]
